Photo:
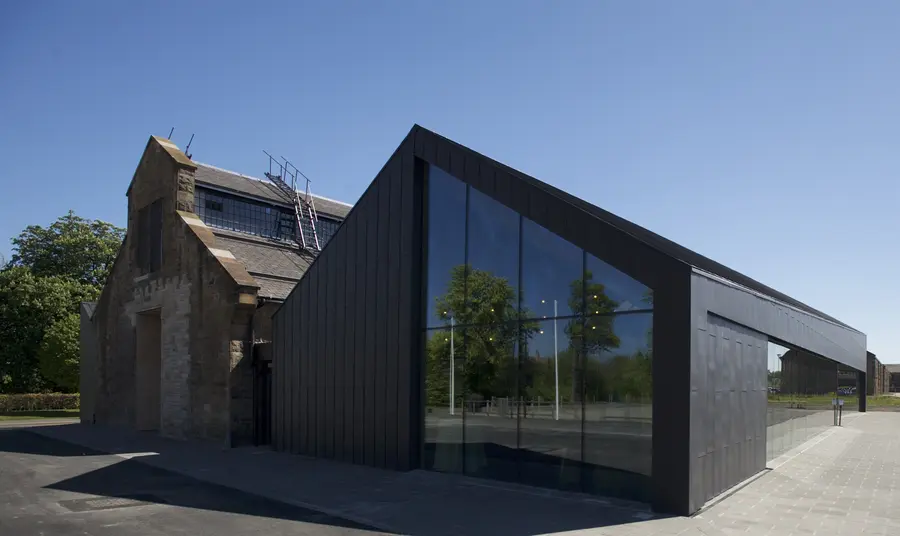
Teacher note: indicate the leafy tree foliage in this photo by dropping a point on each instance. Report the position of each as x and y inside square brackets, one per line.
[28, 306]
[58, 354]
[72, 247]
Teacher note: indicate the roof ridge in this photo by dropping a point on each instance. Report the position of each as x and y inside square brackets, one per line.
[266, 181]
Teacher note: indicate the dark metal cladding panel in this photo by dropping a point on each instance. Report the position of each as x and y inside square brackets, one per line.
[318, 284]
[406, 329]
[783, 322]
[518, 196]
[394, 263]
[359, 340]
[728, 409]
[302, 295]
[670, 468]
[294, 337]
[372, 313]
[339, 333]
[330, 311]
[384, 271]
[285, 388]
[349, 306]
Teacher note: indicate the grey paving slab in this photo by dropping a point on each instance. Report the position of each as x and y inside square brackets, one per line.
[841, 482]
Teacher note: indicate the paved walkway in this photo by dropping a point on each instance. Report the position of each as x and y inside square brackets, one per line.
[839, 483]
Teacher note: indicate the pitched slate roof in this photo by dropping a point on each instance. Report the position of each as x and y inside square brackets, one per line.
[275, 266]
[262, 189]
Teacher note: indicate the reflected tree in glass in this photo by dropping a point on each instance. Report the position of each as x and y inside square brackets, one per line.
[486, 305]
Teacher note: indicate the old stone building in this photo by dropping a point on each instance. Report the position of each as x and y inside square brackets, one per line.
[208, 256]
[877, 376]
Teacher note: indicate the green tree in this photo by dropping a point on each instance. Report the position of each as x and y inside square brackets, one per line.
[28, 306]
[58, 354]
[73, 247]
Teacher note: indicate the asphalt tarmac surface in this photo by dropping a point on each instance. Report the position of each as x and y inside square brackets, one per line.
[52, 488]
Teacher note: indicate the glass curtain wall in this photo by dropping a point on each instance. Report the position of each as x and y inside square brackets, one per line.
[801, 389]
[537, 354]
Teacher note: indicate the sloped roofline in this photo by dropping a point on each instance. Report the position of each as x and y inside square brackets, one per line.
[249, 177]
[657, 242]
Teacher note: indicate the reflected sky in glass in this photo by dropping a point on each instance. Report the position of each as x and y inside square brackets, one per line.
[446, 236]
[550, 268]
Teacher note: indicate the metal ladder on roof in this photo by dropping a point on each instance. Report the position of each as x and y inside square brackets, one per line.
[304, 206]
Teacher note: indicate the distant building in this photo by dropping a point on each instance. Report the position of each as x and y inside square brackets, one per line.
[208, 256]
[893, 381]
[877, 376]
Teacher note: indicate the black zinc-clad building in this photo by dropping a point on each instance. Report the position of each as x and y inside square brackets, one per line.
[469, 318]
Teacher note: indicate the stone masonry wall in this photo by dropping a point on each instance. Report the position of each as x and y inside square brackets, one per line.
[196, 294]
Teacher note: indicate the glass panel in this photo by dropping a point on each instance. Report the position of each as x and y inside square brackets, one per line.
[234, 213]
[551, 274]
[777, 405]
[446, 246]
[801, 388]
[493, 259]
[551, 409]
[491, 409]
[443, 420]
[618, 392]
[610, 290]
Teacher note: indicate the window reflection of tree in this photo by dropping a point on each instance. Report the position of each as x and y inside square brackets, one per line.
[484, 306]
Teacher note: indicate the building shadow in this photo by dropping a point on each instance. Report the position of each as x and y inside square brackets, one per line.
[22, 441]
[131, 480]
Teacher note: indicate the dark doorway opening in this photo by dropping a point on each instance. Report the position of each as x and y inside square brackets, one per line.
[262, 394]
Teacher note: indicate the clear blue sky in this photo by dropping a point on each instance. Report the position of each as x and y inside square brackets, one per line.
[762, 134]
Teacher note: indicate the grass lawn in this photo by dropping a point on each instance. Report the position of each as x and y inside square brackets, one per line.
[29, 415]
[824, 401]
[884, 402]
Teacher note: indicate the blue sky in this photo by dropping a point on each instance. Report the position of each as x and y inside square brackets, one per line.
[761, 134]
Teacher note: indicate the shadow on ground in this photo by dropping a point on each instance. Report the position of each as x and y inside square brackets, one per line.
[129, 479]
[418, 502]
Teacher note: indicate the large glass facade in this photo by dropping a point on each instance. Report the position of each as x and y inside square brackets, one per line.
[537, 354]
[802, 388]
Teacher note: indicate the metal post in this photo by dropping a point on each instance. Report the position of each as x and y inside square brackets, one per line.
[452, 371]
[555, 363]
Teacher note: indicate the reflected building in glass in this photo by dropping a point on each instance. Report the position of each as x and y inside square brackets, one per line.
[494, 326]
